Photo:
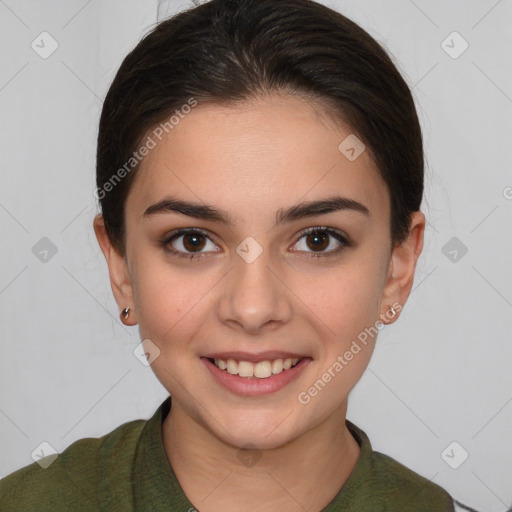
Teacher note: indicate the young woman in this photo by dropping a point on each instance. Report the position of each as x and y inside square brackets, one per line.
[260, 176]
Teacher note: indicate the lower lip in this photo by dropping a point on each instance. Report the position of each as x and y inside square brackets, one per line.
[253, 386]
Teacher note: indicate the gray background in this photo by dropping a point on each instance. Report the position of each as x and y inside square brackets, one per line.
[440, 374]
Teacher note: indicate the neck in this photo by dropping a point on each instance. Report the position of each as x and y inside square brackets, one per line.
[304, 474]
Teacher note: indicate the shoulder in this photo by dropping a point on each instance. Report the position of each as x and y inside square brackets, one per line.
[411, 490]
[386, 484]
[76, 479]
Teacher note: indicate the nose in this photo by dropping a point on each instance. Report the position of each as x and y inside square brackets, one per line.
[254, 296]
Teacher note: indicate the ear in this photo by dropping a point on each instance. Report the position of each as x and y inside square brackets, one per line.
[402, 266]
[120, 280]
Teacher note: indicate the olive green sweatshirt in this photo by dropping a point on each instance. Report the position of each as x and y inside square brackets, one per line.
[128, 470]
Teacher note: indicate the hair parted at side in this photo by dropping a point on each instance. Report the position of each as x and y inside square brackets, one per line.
[226, 51]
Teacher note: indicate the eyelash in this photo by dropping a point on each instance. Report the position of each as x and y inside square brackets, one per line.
[320, 229]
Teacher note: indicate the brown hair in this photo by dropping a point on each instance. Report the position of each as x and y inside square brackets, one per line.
[226, 51]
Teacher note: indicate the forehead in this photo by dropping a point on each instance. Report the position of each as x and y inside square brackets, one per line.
[267, 153]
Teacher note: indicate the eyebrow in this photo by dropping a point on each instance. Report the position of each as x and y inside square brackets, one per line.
[290, 214]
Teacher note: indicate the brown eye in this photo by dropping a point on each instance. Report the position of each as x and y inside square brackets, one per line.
[188, 243]
[193, 242]
[317, 240]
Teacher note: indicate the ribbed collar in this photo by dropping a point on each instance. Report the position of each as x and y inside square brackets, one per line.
[156, 487]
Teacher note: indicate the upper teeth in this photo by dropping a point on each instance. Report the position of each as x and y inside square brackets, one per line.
[262, 370]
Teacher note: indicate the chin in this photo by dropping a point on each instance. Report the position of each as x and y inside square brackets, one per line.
[257, 432]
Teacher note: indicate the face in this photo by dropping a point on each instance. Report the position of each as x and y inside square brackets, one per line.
[254, 279]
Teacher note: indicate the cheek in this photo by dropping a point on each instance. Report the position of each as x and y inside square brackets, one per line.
[171, 311]
[346, 299]
[170, 302]
[348, 309]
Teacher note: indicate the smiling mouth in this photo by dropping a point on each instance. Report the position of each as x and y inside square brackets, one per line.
[260, 370]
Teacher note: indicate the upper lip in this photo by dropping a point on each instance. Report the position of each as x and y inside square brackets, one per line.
[269, 355]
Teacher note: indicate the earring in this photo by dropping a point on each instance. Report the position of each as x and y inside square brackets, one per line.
[392, 311]
[126, 313]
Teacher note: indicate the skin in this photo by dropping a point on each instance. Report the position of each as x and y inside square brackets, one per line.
[251, 160]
